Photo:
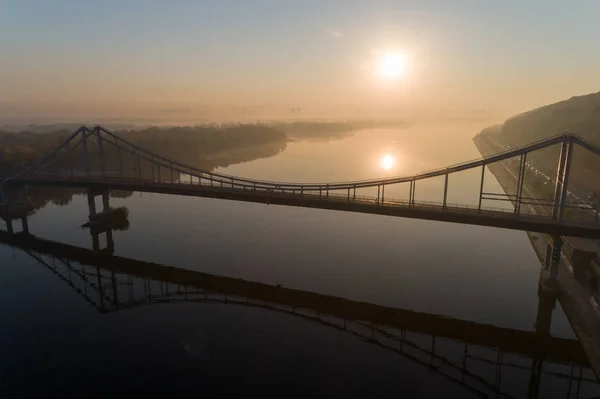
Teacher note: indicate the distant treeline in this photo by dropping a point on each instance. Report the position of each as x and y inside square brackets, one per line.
[206, 147]
[203, 147]
[330, 130]
[196, 146]
[579, 115]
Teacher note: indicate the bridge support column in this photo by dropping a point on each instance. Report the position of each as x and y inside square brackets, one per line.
[110, 243]
[543, 323]
[445, 190]
[25, 225]
[481, 187]
[552, 261]
[91, 203]
[100, 288]
[546, 305]
[105, 201]
[95, 242]
[535, 378]
[9, 227]
[562, 178]
[521, 178]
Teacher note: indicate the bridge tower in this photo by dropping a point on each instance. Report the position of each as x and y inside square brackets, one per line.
[110, 244]
[92, 194]
[562, 177]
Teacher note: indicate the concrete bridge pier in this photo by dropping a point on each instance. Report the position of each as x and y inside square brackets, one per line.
[110, 244]
[95, 242]
[546, 306]
[97, 220]
[14, 207]
[91, 204]
[10, 228]
[17, 198]
[92, 194]
[543, 322]
[549, 276]
[25, 225]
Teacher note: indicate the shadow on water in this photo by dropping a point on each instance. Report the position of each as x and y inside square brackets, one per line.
[455, 349]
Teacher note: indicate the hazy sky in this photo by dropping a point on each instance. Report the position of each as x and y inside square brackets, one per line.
[124, 55]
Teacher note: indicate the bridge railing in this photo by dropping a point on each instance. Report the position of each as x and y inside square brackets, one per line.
[339, 190]
[309, 194]
[318, 192]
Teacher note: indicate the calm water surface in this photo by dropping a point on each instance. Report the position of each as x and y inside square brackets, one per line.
[53, 343]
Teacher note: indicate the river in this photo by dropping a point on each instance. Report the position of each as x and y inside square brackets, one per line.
[53, 342]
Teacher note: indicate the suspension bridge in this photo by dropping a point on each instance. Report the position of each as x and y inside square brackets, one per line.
[458, 350]
[99, 159]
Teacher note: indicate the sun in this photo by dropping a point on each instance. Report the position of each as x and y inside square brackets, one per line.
[387, 162]
[392, 65]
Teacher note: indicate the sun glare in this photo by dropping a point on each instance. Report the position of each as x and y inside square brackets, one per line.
[392, 65]
[387, 162]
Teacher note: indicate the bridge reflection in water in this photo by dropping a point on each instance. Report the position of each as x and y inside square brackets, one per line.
[487, 360]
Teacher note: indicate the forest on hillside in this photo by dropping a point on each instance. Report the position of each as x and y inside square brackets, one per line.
[196, 146]
[578, 115]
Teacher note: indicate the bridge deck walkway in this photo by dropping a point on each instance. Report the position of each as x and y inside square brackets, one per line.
[465, 214]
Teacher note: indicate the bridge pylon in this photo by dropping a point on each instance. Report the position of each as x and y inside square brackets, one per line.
[97, 219]
[92, 194]
[562, 177]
